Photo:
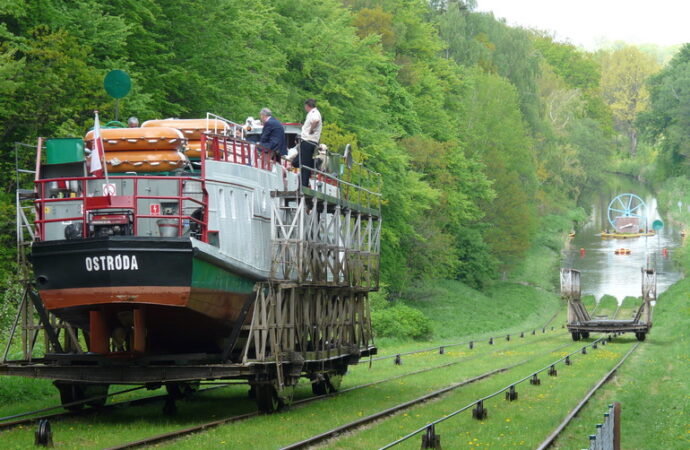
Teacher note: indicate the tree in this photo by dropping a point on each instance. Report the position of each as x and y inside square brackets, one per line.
[624, 73]
[668, 120]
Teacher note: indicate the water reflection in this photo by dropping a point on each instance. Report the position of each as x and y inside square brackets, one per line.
[604, 272]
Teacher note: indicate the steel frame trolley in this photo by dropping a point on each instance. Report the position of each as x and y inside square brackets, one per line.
[581, 324]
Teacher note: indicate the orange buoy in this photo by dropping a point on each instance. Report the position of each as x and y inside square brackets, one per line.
[665, 252]
[152, 138]
[582, 253]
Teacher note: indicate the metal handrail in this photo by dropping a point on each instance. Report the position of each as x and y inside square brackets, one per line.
[235, 126]
[41, 201]
[240, 151]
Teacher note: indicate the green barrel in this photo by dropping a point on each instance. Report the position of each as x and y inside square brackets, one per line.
[64, 150]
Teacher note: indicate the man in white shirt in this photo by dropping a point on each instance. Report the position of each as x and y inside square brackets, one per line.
[311, 134]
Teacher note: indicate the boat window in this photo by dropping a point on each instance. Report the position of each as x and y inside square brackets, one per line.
[231, 201]
[221, 201]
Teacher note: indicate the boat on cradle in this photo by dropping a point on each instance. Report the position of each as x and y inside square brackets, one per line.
[176, 254]
[626, 215]
[220, 266]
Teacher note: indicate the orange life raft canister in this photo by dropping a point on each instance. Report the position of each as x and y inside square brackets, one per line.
[138, 161]
[151, 138]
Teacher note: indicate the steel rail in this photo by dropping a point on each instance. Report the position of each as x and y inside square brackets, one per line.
[359, 422]
[456, 344]
[559, 429]
[65, 405]
[151, 399]
[66, 414]
[364, 420]
[196, 428]
[487, 397]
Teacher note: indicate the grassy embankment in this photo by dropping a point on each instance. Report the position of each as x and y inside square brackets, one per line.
[527, 300]
[607, 306]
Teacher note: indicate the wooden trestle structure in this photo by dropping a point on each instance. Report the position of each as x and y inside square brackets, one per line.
[313, 312]
[580, 323]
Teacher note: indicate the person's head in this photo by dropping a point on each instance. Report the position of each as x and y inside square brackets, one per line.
[309, 104]
[265, 114]
[133, 122]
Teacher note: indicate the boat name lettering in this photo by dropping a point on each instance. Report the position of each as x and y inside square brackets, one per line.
[109, 262]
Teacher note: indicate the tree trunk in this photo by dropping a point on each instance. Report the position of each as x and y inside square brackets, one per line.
[633, 142]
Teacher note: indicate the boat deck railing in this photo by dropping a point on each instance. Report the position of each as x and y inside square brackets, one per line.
[340, 180]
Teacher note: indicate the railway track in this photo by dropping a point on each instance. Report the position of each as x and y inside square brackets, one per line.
[471, 343]
[31, 417]
[316, 439]
[559, 429]
[7, 423]
[429, 428]
[176, 434]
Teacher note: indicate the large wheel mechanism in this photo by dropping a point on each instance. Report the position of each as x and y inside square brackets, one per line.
[626, 205]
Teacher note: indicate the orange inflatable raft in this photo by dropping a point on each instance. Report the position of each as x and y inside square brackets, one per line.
[191, 128]
[193, 149]
[138, 161]
[150, 138]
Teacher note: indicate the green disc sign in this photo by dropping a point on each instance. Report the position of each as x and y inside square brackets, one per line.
[117, 83]
[657, 225]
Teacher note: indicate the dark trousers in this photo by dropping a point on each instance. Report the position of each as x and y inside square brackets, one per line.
[306, 159]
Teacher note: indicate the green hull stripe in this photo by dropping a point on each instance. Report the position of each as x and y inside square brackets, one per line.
[207, 276]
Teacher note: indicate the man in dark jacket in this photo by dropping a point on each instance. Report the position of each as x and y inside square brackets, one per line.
[273, 134]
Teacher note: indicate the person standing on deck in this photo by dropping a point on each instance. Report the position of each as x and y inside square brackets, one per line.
[310, 136]
[272, 135]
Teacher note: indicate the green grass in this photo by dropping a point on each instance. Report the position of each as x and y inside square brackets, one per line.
[629, 307]
[539, 268]
[607, 306]
[520, 424]
[107, 429]
[528, 420]
[589, 301]
[652, 386]
[457, 311]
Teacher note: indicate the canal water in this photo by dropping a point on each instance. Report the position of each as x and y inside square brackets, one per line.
[604, 272]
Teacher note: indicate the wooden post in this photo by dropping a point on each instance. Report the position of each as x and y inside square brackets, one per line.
[616, 426]
[98, 333]
[139, 338]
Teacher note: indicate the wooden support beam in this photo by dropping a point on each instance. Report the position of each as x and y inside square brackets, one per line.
[98, 333]
[139, 334]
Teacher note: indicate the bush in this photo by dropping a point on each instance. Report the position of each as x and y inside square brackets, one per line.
[400, 321]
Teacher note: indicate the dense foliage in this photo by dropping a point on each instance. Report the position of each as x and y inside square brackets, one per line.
[479, 129]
